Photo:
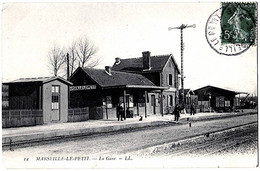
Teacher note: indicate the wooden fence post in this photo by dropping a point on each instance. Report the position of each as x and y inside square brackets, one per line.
[73, 115]
[10, 143]
[87, 113]
[81, 115]
[9, 118]
[35, 117]
[20, 114]
[9, 115]
[20, 117]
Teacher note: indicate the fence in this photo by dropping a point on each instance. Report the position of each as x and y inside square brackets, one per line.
[96, 113]
[16, 118]
[78, 114]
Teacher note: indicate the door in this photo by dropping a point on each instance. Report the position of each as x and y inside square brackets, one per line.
[153, 104]
[55, 103]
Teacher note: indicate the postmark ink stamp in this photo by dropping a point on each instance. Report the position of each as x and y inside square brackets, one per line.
[231, 29]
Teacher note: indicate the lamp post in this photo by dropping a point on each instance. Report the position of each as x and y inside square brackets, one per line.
[181, 27]
[209, 103]
[188, 102]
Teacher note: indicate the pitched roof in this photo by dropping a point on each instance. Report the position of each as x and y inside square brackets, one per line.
[216, 88]
[136, 64]
[42, 80]
[116, 78]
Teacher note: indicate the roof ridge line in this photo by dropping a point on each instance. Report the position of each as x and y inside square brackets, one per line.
[226, 89]
[124, 72]
[150, 56]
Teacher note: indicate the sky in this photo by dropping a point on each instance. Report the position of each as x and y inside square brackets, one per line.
[125, 30]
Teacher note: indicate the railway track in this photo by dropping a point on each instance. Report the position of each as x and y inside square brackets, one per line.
[231, 145]
[215, 144]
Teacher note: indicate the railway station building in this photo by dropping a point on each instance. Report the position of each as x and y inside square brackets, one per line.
[145, 85]
[103, 89]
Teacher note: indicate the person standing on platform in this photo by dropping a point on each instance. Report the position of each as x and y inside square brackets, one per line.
[192, 109]
[118, 114]
[122, 112]
[177, 113]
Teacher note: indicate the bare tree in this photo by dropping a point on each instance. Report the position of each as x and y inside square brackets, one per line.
[78, 53]
[72, 51]
[93, 62]
[56, 59]
[85, 50]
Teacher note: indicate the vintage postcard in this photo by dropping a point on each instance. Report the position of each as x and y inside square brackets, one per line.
[129, 85]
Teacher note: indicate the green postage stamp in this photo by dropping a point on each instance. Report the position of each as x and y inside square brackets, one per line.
[231, 30]
[238, 23]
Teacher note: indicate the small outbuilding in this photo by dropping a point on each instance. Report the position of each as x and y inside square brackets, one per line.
[44, 97]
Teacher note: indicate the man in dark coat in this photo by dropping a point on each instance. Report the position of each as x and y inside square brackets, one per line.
[118, 114]
[121, 112]
[192, 109]
[177, 113]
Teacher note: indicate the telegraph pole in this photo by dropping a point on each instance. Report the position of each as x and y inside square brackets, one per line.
[68, 66]
[181, 27]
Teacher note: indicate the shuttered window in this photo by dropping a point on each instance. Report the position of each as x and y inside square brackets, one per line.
[55, 97]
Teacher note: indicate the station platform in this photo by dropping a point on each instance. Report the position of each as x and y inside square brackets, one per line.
[90, 127]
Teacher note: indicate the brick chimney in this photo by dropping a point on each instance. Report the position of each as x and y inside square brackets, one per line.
[117, 60]
[108, 70]
[146, 60]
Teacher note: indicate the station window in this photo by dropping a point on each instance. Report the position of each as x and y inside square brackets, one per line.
[227, 103]
[170, 100]
[5, 96]
[55, 97]
[170, 79]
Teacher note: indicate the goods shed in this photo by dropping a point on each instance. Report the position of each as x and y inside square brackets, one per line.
[218, 99]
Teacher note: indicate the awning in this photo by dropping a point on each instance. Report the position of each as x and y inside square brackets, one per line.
[137, 87]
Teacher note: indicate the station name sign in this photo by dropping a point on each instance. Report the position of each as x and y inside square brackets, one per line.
[84, 87]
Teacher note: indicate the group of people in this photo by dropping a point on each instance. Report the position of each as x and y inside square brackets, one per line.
[121, 114]
[178, 109]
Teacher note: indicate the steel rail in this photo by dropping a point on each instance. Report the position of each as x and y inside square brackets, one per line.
[212, 142]
[229, 146]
